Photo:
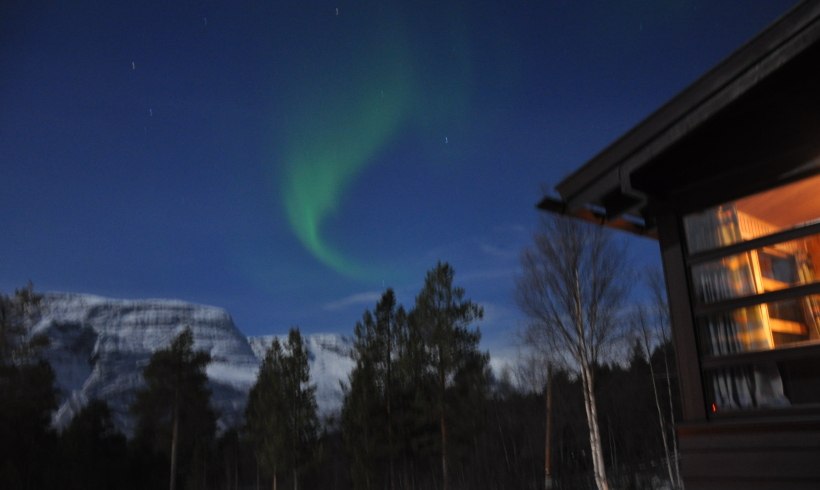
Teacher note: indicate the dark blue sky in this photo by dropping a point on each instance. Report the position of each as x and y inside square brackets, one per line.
[286, 159]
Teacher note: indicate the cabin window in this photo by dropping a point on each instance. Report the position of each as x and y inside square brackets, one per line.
[755, 276]
[784, 208]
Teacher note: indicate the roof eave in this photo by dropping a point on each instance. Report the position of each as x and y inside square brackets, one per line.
[608, 172]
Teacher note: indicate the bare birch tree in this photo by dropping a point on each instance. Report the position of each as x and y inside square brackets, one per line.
[573, 284]
[645, 337]
[660, 310]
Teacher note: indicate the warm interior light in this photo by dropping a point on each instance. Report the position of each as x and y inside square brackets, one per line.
[787, 206]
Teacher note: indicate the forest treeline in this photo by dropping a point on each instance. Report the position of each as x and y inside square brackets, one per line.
[421, 410]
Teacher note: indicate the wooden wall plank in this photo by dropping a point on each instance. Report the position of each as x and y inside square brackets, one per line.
[751, 484]
[779, 464]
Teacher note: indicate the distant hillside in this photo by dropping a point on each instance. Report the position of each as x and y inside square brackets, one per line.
[100, 346]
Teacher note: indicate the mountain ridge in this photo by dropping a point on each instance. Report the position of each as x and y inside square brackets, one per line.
[99, 347]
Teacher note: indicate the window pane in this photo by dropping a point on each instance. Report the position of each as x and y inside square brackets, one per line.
[786, 207]
[713, 228]
[761, 327]
[765, 269]
[764, 385]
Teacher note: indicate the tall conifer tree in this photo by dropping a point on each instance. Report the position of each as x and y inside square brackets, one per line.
[265, 413]
[443, 317]
[282, 420]
[369, 412]
[27, 393]
[362, 414]
[301, 419]
[414, 372]
[173, 411]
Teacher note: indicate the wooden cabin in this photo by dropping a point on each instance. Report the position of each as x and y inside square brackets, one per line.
[726, 176]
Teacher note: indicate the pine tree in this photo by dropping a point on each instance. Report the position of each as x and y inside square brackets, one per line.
[301, 419]
[386, 332]
[28, 395]
[18, 344]
[452, 350]
[173, 411]
[362, 413]
[416, 384]
[281, 416]
[93, 452]
[369, 411]
[265, 413]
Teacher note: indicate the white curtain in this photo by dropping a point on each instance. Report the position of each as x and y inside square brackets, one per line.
[748, 387]
[743, 330]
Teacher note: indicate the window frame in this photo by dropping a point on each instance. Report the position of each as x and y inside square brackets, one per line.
[699, 310]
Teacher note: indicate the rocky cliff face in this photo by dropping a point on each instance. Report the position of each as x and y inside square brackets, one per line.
[100, 346]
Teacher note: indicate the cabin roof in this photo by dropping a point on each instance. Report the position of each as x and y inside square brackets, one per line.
[751, 120]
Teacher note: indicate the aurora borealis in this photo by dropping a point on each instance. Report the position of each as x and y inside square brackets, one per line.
[288, 160]
[334, 136]
[368, 92]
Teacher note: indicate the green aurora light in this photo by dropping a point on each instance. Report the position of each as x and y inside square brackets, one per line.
[366, 96]
[329, 157]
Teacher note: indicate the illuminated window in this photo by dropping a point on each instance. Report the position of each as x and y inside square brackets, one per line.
[755, 276]
[786, 207]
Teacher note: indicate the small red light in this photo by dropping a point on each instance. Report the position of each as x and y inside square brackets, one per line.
[714, 407]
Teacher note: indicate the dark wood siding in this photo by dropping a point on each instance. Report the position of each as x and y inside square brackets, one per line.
[763, 455]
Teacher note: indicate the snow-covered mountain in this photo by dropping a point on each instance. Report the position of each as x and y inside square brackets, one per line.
[99, 347]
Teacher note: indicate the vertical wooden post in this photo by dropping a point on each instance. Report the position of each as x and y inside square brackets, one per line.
[680, 310]
[548, 458]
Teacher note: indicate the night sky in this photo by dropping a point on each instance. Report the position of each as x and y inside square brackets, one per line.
[288, 160]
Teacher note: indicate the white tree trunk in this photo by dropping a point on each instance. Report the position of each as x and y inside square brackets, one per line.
[662, 421]
[594, 432]
[679, 480]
